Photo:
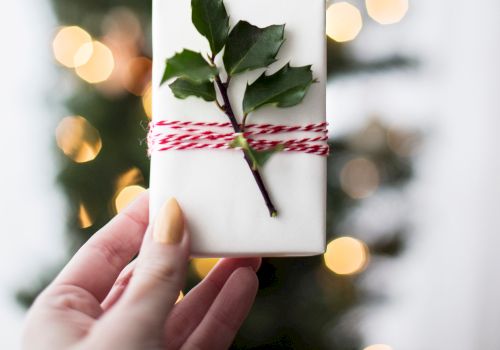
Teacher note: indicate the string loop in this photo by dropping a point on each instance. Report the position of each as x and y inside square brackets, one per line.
[167, 135]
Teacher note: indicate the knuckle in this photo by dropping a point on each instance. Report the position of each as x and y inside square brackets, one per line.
[164, 271]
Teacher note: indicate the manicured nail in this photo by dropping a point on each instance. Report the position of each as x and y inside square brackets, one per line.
[169, 224]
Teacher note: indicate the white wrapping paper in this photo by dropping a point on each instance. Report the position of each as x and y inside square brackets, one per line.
[224, 209]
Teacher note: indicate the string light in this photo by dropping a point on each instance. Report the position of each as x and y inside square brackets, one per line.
[126, 196]
[346, 256]
[378, 347]
[343, 22]
[84, 219]
[147, 101]
[202, 266]
[359, 178]
[67, 46]
[387, 11]
[99, 66]
[78, 139]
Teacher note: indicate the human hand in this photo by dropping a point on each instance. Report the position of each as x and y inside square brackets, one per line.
[101, 301]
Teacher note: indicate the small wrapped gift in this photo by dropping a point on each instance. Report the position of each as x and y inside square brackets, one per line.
[266, 60]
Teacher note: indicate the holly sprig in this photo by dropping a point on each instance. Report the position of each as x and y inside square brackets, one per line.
[246, 48]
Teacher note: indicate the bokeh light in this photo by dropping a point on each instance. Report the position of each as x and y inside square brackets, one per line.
[359, 178]
[133, 176]
[126, 196]
[346, 256]
[180, 297]
[147, 101]
[202, 266]
[99, 66]
[67, 44]
[343, 21]
[138, 75]
[78, 139]
[378, 347]
[84, 219]
[387, 11]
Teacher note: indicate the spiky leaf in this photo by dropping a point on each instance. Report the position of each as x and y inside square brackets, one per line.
[188, 65]
[183, 88]
[258, 158]
[285, 88]
[249, 47]
[211, 20]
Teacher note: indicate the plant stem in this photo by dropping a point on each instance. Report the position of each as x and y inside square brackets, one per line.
[237, 129]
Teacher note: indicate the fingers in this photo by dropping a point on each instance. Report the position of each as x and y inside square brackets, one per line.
[119, 287]
[160, 271]
[187, 315]
[98, 263]
[222, 321]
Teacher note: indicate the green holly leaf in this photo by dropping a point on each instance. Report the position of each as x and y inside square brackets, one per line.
[258, 158]
[211, 20]
[188, 65]
[249, 47]
[183, 88]
[285, 88]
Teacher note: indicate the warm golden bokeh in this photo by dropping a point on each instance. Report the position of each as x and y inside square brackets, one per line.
[78, 139]
[84, 219]
[137, 75]
[387, 11]
[202, 266]
[359, 178]
[343, 21]
[378, 347]
[180, 297]
[67, 43]
[133, 176]
[147, 101]
[99, 66]
[346, 256]
[126, 196]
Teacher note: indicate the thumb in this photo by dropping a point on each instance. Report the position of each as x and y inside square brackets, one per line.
[161, 267]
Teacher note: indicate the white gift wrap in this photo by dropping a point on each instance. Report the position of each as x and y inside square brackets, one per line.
[224, 209]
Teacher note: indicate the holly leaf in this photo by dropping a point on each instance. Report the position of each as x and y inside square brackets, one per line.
[183, 88]
[249, 47]
[188, 65]
[258, 158]
[285, 88]
[211, 20]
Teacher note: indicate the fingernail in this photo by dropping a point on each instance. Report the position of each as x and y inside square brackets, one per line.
[169, 224]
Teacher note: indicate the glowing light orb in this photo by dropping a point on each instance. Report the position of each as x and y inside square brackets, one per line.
[147, 101]
[346, 256]
[378, 347]
[202, 266]
[387, 11]
[126, 196]
[78, 139]
[359, 178]
[343, 22]
[99, 66]
[68, 43]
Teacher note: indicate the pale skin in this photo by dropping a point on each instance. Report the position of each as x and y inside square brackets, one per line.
[102, 301]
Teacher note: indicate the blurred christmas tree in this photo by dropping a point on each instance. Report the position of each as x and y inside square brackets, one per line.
[303, 302]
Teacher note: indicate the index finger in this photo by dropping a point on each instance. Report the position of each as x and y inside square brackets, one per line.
[98, 263]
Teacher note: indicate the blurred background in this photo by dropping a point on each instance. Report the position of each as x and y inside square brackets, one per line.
[412, 189]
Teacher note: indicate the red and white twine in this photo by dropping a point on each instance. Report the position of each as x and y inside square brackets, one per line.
[168, 135]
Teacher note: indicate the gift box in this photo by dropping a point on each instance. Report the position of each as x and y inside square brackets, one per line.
[224, 208]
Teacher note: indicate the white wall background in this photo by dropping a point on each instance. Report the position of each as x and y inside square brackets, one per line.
[31, 208]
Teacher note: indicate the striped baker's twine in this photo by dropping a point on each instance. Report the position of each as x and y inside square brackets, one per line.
[168, 135]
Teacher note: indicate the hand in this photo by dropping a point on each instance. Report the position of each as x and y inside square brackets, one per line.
[101, 301]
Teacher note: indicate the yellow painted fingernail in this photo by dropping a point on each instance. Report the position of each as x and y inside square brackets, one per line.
[169, 224]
